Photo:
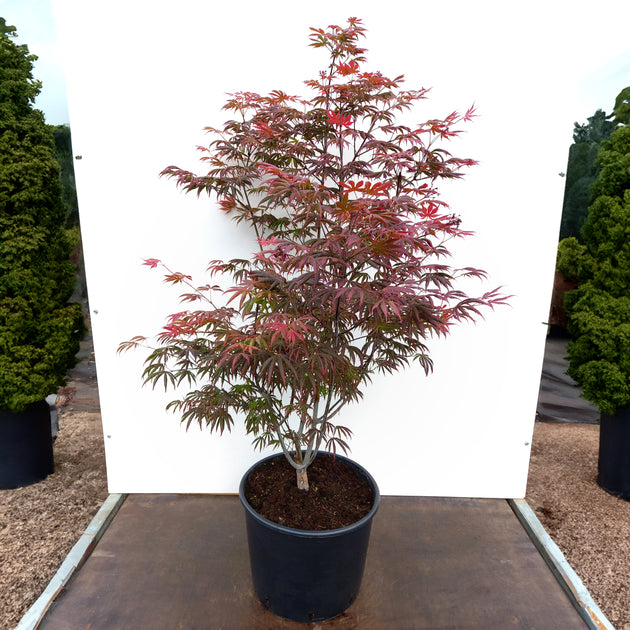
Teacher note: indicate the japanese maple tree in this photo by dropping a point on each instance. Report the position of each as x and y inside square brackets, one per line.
[350, 276]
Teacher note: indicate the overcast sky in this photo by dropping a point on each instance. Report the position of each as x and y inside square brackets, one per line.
[35, 25]
[34, 20]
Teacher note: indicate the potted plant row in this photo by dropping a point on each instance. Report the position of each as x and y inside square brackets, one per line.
[350, 279]
[39, 329]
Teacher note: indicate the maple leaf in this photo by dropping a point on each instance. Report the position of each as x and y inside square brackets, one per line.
[264, 128]
[339, 119]
[227, 204]
[471, 113]
[151, 262]
[367, 188]
[348, 68]
[352, 186]
[428, 211]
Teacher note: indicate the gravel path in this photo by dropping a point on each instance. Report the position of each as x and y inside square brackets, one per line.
[40, 523]
[591, 527]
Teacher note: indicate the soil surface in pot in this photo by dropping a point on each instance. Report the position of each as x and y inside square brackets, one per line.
[337, 496]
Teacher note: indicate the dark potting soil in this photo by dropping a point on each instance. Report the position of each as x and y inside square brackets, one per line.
[337, 496]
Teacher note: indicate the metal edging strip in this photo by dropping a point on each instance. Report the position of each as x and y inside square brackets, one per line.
[566, 576]
[75, 558]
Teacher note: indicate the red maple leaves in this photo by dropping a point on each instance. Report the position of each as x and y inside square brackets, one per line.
[350, 276]
[345, 69]
[335, 118]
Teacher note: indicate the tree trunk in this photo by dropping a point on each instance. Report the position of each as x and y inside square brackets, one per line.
[302, 479]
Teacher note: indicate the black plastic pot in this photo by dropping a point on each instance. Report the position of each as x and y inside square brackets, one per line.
[307, 575]
[614, 453]
[26, 451]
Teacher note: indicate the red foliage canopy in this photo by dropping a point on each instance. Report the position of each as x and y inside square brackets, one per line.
[350, 277]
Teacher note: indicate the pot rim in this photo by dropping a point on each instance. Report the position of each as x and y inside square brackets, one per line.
[311, 533]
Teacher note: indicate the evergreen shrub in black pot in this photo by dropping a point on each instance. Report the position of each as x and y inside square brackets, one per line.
[39, 329]
[599, 355]
[599, 308]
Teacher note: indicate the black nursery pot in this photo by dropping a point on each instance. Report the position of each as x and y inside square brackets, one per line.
[26, 451]
[614, 453]
[305, 575]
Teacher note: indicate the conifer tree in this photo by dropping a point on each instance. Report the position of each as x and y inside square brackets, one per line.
[582, 171]
[39, 329]
[599, 309]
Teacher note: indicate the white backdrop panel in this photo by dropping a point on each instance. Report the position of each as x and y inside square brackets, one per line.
[144, 78]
